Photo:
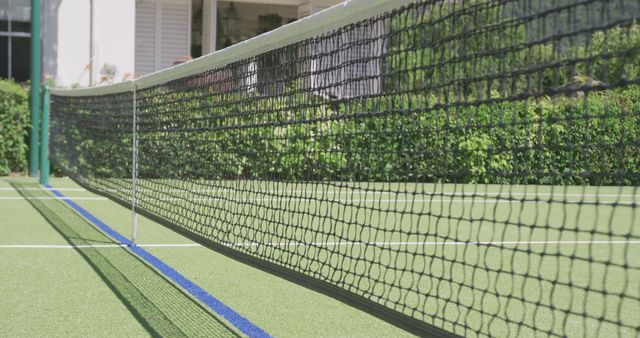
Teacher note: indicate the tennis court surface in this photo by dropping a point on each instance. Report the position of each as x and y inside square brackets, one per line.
[59, 263]
[64, 277]
[436, 168]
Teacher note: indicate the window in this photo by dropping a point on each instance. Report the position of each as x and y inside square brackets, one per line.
[15, 36]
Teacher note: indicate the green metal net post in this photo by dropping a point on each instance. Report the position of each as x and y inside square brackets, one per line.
[44, 137]
[35, 86]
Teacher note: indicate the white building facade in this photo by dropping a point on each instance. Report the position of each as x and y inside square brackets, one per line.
[94, 42]
[80, 37]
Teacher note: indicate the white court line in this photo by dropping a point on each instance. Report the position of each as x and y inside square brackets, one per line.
[169, 245]
[53, 198]
[382, 244]
[287, 244]
[340, 192]
[53, 246]
[92, 246]
[360, 191]
[383, 193]
[43, 188]
[463, 201]
[26, 179]
[308, 200]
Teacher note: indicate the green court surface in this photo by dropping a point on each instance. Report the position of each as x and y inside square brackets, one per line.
[523, 237]
[504, 258]
[63, 277]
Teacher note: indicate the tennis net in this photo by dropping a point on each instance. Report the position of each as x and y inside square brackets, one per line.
[463, 167]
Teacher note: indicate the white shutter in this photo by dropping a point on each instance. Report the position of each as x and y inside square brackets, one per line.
[326, 73]
[361, 76]
[145, 38]
[348, 64]
[163, 33]
[175, 29]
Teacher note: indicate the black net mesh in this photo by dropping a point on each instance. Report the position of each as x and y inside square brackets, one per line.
[470, 166]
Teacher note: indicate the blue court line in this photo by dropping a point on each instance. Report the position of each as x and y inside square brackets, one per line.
[237, 320]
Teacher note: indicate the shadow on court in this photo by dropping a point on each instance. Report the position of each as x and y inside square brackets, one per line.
[161, 307]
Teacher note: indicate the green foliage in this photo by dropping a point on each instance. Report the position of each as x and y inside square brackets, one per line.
[14, 125]
[621, 40]
[590, 140]
[452, 47]
[402, 138]
[456, 50]
[465, 100]
[395, 138]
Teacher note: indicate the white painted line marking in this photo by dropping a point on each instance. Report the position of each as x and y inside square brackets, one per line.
[358, 191]
[316, 200]
[53, 198]
[417, 193]
[42, 189]
[26, 179]
[287, 244]
[362, 191]
[187, 245]
[53, 246]
[90, 246]
[487, 200]
[382, 244]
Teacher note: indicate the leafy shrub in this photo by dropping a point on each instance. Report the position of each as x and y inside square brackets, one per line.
[464, 101]
[14, 124]
[590, 140]
[454, 48]
[403, 138]
[459, 49]
[621, 40]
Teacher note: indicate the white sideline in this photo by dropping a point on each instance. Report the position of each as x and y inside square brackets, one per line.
[359, 191]
[53, 198]
[90, 246]
[487, 200]
[362, 191]
[287, 244]
[456, 201]
[382, 244]
[43, 188]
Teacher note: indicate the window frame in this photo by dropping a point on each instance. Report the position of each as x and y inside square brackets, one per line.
[10, 34]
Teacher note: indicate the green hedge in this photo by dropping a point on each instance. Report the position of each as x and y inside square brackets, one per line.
[551, 140]
[440, 118]
[594, 139]
[403, 138]
[591, 140]
[463, 50]
[14, 126]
